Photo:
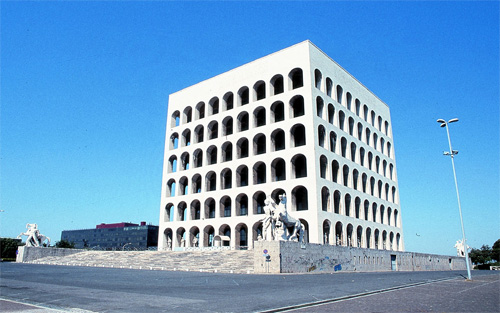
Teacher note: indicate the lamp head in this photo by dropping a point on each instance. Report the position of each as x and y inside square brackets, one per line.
[453, 120]
[441, 121]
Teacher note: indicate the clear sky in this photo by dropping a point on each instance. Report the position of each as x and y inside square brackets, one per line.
[85, 85]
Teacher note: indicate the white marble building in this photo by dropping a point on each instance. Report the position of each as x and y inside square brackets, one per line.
[293, 122]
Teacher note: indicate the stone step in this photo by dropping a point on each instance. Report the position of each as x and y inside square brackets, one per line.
[226, 261]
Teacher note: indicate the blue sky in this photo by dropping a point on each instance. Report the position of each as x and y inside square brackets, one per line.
[85, 85]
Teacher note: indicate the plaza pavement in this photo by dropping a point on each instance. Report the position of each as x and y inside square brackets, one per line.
[45, 288]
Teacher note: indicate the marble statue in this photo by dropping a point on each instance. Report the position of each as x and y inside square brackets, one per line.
[459, 245]
[276, 224]
[35, 239]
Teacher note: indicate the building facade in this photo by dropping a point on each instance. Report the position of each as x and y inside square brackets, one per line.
[295, 123]
[117, 236]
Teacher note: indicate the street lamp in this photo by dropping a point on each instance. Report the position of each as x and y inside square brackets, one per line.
[452, 154]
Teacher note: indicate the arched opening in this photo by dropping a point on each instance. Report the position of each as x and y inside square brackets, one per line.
[210, 208]
[183, 186]
[242, 146]
[198, 158]
[182, 211]
[242, 205]
[241, 232]
[348, 98]
[174, 141]
[242, 176]
[353, 152]
[227, 126]
[299, 199]
[341, 119]
[259, 144]
[195, 210]
[367, 210]
[213, 130]
[228, 101]
[321, 136]
[329, 87]
[359, 237]
[175, 120]
[278, 169]
[357, 207]
[297, 106]
[325, 200]
[187, 115]
[168, 237]
[208, 236]
[299, 166]
[198, 134]
[169, 213]
[320, 105]
[277, 85]
[210, 181]
[214, 105]
[211, 155]
[335, 171]
[355, 177]
[336, 202]
[339, 94]
[350, 241]
[351, 126]
[184, 161]
[259, 173]
[243, 96]
[298, 135]
[326, 232]
[259, 90]
[227, 152]
[343, 147]
[346, 175]
[200, 110]
[225, 241]
[317, 79]
[258, 202]
[339, 236]
[194, 237]
[171, 188]
[368, 238]
[243, 121]
[296, 78]
[259, 117]
[226, 179]
[278, 140]
[172, 164]
[277, 112]
[347, 204]
[225, 207]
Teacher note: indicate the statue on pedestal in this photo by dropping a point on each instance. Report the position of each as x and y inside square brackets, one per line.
[35, 239]
[459, 245]
[276, 224]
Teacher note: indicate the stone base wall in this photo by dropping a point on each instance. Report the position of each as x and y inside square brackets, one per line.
[28, 254]
[293, 257]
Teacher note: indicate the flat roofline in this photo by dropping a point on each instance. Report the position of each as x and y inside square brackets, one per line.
[307, 41]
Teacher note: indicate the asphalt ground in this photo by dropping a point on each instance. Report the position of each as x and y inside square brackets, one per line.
[80, 289]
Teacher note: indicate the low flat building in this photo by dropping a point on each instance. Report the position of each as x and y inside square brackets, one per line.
[116, 236]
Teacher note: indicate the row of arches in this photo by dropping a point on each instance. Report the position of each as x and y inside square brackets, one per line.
[356, 180]
[243, 96]
[379, 144]
[227, 206]
[355, 207]
[356, 154]
[346, 99]
[260, 173]
[261, 143]
[352, 236]
[230, 125]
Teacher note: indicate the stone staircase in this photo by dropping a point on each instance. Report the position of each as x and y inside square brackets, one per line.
[226, 261]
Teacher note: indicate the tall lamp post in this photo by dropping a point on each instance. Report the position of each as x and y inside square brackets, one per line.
[452, 154]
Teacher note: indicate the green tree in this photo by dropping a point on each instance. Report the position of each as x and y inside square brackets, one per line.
[481, 256]
[65, 244]
[8, 247]
[495, 251]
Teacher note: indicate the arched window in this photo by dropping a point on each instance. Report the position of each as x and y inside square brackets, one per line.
[227, 126]
[355, 177]
[225, 207]
[175, 119]
[367, 210]
[183, 186]
[278, 170]
[357, 207]
[174, 141]
[299, 166]
[326, 232]
[317, 78]
[184, 161]
[226, 179]
[341, 119]
[296, 78]
[331, 113]
[259, 90]
[186, 138]
[329, 87]
[171, 188]
[325, 199]
[259, 144]
[343, 147]
[278, 140]
[169, 213]
[200, 110]
[323, 166]
[277, 112]
[259, 173]
[347, 204]
[172, 164]
[259, 117]
[362, 156]
[242, 176]
[243, 121]
[359, 237]
[365, 113]
[210, 208]
[187, 115]
[182, 211]
[210, 181]
[358, 106]
[214, 105]
[242, 146]
[227, 152]
[228, 101]
[360, 131]
[198, 158]
[299, 199]
[198, 134]
[213, 130]
[333, 142]
[372, 113]
[196, 183]
[243, 96]
[297, 106]
[353, 152]
[364, 180]
[351, 126]
[277, 86]
[335, 171]
[258, 202]
[368, 238]
[242, 205]
[348, 98]
[298, 135]
[321, 136]
[336, 201]
[211, 155]
[339, 94]
[320, 105]
[339, 236]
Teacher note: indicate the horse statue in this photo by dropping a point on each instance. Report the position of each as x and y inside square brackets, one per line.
[459, 245]
[35, 239]
[286, 221]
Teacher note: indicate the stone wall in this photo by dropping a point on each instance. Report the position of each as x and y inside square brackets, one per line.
[292, 257]
[28, 254]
